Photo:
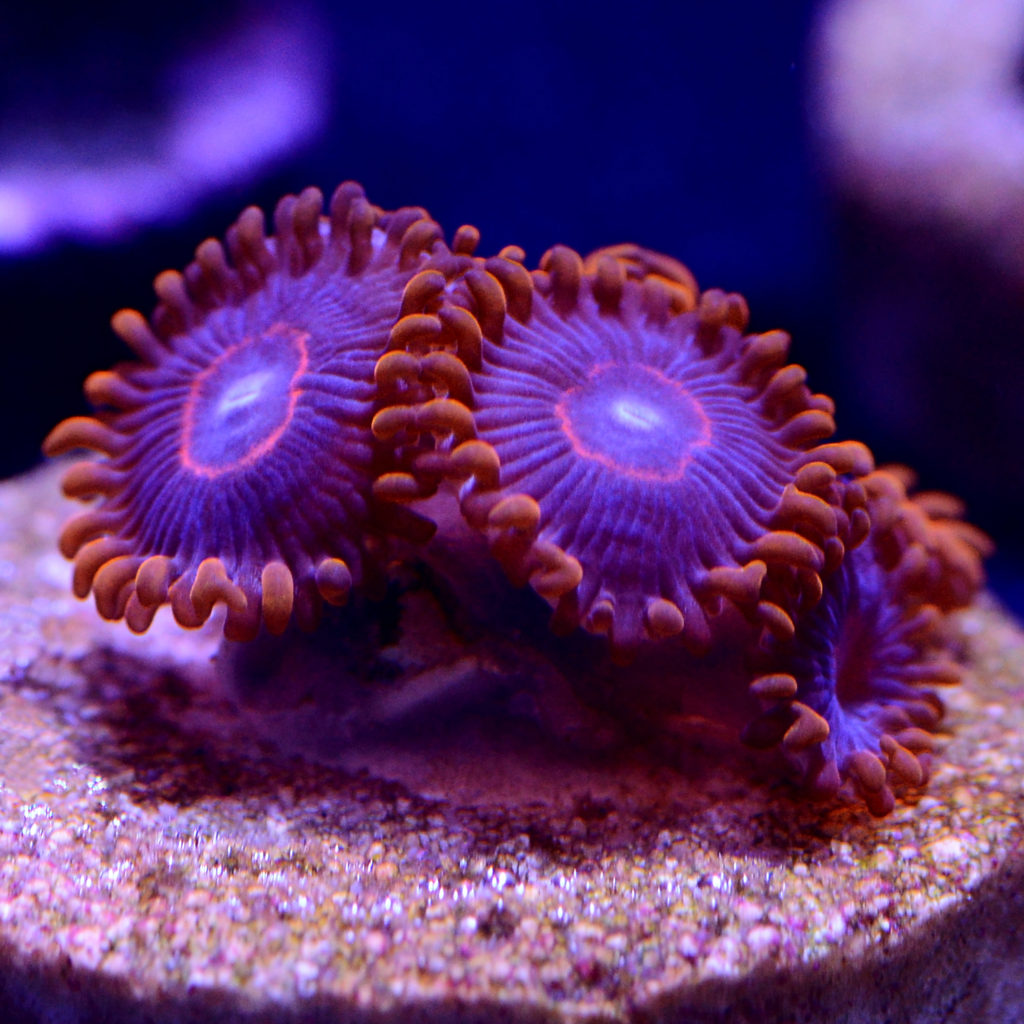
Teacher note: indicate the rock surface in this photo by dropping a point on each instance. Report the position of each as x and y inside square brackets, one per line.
[166, 856]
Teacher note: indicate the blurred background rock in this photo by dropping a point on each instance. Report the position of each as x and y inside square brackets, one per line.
[917, 117]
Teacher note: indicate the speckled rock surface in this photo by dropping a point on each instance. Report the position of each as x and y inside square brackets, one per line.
[164, 856]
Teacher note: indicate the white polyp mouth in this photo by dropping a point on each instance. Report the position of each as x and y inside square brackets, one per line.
[243, 392]
[636, 415]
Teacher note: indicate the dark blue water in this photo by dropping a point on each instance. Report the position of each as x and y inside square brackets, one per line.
[682, 127]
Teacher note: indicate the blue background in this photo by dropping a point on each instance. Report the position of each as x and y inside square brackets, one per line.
[680, 126]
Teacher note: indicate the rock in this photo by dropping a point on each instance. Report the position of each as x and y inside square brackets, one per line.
[168, 856]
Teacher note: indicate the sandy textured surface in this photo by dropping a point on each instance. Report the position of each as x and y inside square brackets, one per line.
[164, 856]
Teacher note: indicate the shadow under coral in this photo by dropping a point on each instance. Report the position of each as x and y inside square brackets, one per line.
[513, 732]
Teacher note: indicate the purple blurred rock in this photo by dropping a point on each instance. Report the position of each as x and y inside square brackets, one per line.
[919, 118]
[248, 90]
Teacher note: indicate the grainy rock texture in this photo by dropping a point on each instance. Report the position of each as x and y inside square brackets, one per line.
[165, 855]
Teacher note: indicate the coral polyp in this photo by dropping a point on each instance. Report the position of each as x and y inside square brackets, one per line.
[631, 452]
[237, 458]
[851, 698]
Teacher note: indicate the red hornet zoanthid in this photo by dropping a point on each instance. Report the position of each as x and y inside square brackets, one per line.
[300, 400]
